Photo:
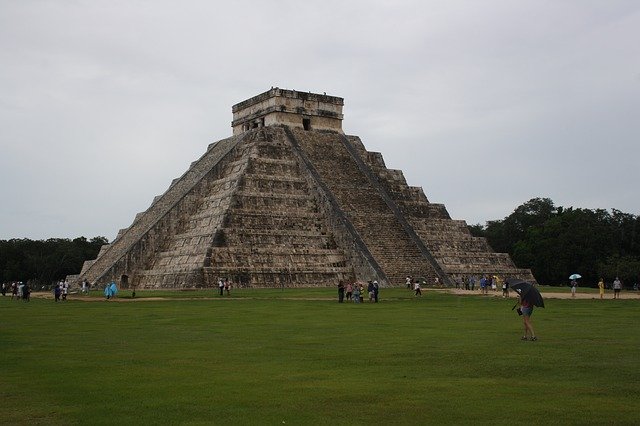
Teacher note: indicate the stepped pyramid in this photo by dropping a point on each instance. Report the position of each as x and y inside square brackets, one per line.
[290, 200]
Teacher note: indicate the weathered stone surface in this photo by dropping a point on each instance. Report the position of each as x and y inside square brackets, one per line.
[277, 106]
[288, 204]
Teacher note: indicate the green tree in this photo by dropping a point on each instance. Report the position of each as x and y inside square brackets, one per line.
[555, 242]
[45, 261]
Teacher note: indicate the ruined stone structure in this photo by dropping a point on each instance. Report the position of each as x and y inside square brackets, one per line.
[289, 200]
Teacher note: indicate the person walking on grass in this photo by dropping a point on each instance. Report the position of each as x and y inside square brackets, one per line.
[574, 285]
[601, 288]
[417, 288]
[526, 308]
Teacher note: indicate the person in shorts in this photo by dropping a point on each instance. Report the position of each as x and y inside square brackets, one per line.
[526, 308]
[617, 286]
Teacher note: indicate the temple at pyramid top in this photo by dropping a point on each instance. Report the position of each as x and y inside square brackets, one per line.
[304, 110]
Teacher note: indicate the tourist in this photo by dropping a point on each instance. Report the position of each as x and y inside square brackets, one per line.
[227, 287]
[526, 308]
[472, 282]
[376, 289]
[349, 291]
[370, 290]
[4, 289]
[617, 286]
[340, 292]
[361, 293]
[14, 290]
[356, 293]
[505, 289]
[601, 288]
[111, 290]
[416, 288]
[26, 293]
[574, 286]
[56, 293]
[408, 282]
[65, 290]
[483, 284]
[221, 286]
[84, 286]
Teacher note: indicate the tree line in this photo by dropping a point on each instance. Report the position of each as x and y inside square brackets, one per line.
[555, 242]
[43, 262]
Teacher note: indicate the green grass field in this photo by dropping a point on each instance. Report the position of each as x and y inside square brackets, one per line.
[299, 357]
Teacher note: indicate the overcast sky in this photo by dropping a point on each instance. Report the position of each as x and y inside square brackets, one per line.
[484, 104]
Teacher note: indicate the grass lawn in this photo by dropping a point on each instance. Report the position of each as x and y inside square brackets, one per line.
[299, 357]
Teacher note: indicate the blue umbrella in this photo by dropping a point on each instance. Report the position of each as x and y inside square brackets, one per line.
[574, 276]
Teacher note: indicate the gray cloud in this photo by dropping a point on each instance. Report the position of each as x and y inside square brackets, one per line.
[483, 104]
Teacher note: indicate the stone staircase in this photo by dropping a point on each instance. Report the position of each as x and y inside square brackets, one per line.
[273, 230]
[358, 197]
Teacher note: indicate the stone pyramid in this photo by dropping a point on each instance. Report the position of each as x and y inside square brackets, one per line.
[289, 200]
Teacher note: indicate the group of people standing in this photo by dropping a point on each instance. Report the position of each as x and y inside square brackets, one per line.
[22, 291]
[616, 285]
[19, 290]
[355, 292]
[61, 289]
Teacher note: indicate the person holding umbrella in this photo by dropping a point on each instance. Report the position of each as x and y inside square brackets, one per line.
[528, 297]
[574, 283]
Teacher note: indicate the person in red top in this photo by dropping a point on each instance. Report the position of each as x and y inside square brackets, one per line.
[527, 309]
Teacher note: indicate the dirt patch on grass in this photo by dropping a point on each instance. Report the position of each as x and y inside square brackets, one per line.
[546, 294]
[549, 294]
